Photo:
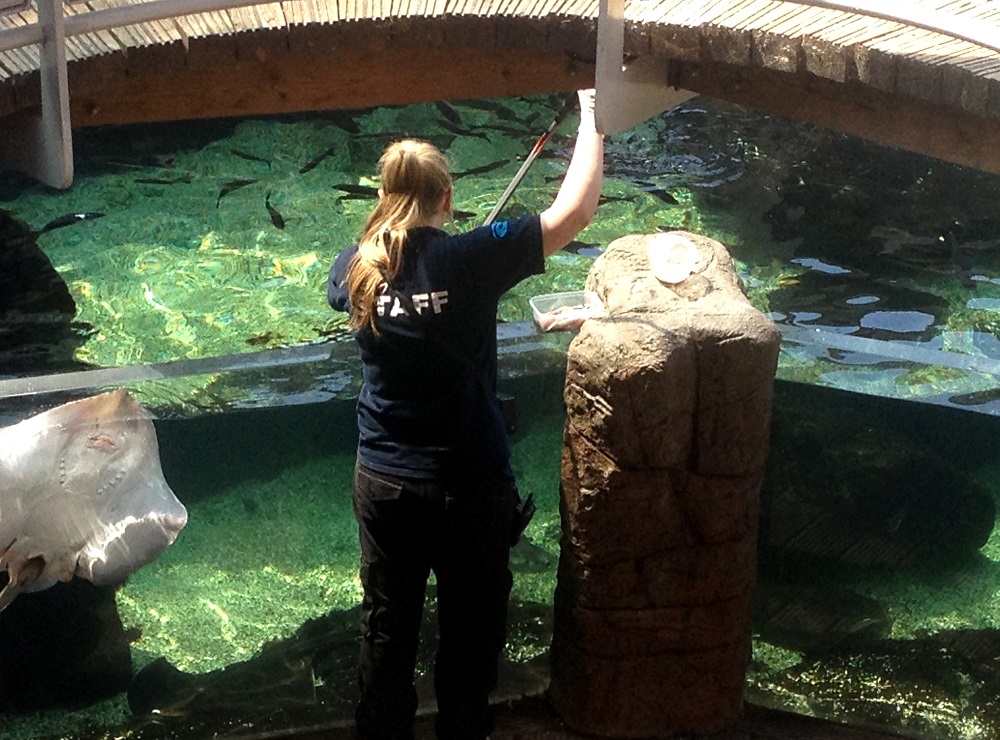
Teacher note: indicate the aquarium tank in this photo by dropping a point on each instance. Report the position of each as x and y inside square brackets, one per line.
[187, 265]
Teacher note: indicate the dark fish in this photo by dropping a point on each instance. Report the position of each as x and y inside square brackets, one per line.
[462, 130]
[441, 141]
[67, 220]
[311, 164]
[462, 215]
[251, 157]
[663, 195]
[516, 132]
[615, 199]
[450, 114]
[344, 120]
[481, 169]
[164, 181]
[276, 218]
[365, 191]
[230, 186]
[976, 398]
[500, 111]
[583, 249]
[265, 338]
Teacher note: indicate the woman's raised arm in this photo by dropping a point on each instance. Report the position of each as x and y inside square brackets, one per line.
[576, 201]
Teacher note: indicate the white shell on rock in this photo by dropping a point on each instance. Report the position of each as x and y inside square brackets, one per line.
[672, 257]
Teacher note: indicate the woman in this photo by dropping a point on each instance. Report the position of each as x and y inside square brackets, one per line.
[432, 488]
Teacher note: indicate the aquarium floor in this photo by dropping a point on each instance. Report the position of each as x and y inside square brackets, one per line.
[535, 718]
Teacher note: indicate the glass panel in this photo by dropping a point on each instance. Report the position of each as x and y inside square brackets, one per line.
[188, 262]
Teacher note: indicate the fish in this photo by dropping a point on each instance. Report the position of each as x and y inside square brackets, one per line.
[615, 199]
[481, 169]
[82, 494]
[462, 130]
[311, 164]
[976, 398]
[251, 157]
[164, 180]
[230, 186]
[441, 141]
[463, 215]
[583, 249]
[514, 131]
[664, 195]
[343, 120]
[68, 219]
[267, 337]
[500, 111]
[363, 191]
[450, 114]
[276, 218]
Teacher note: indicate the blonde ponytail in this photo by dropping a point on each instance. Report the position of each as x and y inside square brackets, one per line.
[415, 177]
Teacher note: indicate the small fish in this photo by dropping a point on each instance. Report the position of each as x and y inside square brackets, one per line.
[481, 169]
[230, 186]
[311, 164]
[500, 111]
[251, 157]
[163, 180]
[462, 130]
[441, 141]
[365, 191]
[516, 132]
[276, 218]
[583, 249]
[615, 199]
[976, 398]
[343, 120]
[67, 220]
[463, 215]
[450, 114]
[265, 338]
[664, 195]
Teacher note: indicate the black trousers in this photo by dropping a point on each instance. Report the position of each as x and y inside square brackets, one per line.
[409, 528]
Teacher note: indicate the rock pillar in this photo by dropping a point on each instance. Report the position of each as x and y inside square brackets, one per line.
[668, 411]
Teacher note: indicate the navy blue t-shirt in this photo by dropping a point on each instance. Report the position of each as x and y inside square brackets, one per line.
[428, 407]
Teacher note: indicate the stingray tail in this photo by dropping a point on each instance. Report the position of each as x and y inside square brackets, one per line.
[25, 576]
[9, 593]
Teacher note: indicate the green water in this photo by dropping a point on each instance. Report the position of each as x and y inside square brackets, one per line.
[828, 232]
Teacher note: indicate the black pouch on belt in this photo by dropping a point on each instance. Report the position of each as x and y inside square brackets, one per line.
[524, 509]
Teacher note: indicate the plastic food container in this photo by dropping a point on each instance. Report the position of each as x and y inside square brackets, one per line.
[565, 311]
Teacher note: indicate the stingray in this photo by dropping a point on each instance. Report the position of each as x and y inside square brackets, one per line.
[82, 494]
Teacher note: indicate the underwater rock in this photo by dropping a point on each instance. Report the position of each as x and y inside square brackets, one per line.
[64, 647]
[810, 619]
[36, 308]
[922, 686]
[863, 484]
[668, 402]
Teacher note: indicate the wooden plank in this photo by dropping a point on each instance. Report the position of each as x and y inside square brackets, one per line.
[777, 39]
[916, 125]
[392, 76]
[675, 30]
[824, 55]
[722, 44]
[674, 42]
[260, 46]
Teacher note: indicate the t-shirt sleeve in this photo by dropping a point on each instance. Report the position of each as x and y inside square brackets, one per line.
[336, 283]
[504, 253]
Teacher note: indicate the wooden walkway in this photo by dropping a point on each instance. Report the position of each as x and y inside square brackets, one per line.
[880, 72]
